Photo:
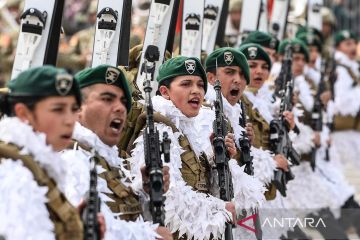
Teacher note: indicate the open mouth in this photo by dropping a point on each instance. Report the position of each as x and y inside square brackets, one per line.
[195, 102]
[116, 124]
[258, 79]
[234, 92]
[66, 136]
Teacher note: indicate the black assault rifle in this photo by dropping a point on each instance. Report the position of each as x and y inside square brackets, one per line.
[221, 155]
[92, 208]
[330, 77]
[153, 147]
[280, 142]
[245, 145]
[316, 115]
[247, 159]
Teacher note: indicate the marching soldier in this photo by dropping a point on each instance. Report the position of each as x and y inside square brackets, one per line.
[312, 68]
[268, 42]
[346, 105]
[344, 108]
[106, 94]
[233, 22]
[328, 28]
[191, 210]
[338, 185]
[258, 100]
[333, 189]
[233, 73]
[41, 106]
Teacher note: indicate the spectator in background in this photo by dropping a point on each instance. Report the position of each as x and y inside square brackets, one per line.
[328, 27]
[233, 22]
[75, 15]
[78, 54]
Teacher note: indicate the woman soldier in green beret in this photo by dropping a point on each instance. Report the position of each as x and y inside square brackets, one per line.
[41, 108]
[191, 210]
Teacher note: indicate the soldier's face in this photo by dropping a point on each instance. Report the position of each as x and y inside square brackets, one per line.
[54, 116]
[348, 47]
[104, 112]
[298, 64]
[272, 53]
[314, 53]
[259, 73]
[187, 93]
[232, 81]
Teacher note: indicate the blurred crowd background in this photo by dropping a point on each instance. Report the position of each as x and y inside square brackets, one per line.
[79, 18]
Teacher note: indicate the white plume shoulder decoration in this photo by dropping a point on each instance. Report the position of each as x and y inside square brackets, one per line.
[303, 142]
[77, 161]
[34, 143]
[262, 102]
[248, 191]
[305, 95]
[313, 74]
[190, 212]
[23, 204]
[23, 200]
[347, 100]
[264, 165]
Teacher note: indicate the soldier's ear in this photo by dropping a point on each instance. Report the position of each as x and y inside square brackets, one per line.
[164, 91]
[210, 77]
[24, 113]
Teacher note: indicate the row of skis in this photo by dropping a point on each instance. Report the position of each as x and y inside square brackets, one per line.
[203, 28]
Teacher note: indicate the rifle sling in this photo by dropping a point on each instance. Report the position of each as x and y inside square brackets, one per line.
[125, 202]
[65, 217]
[351, 73]
[193, 168]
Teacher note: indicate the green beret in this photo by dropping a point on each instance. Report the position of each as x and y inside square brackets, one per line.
[225, 57]
[44, 81]
[263, 39]
[297, 46]
[310, 39]
[181, 66]
[253, 51]
[344, 35]
[309, 30]
[105, 74]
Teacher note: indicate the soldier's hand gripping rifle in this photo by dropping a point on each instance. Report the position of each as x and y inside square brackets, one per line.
[92, 208]
[153, 147]
[245, 145]
[280, 142]
[221, 155]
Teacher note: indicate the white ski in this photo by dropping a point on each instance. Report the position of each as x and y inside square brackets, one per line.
[212, 12]
[191, 32]
[263, 22]
[35, 35]
[314, 18]
[156, 34]
[250, 15]
[107, 34]
[279, 18]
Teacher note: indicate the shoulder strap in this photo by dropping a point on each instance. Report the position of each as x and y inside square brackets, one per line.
[65, 217]
[140, 125]
[351, 73]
